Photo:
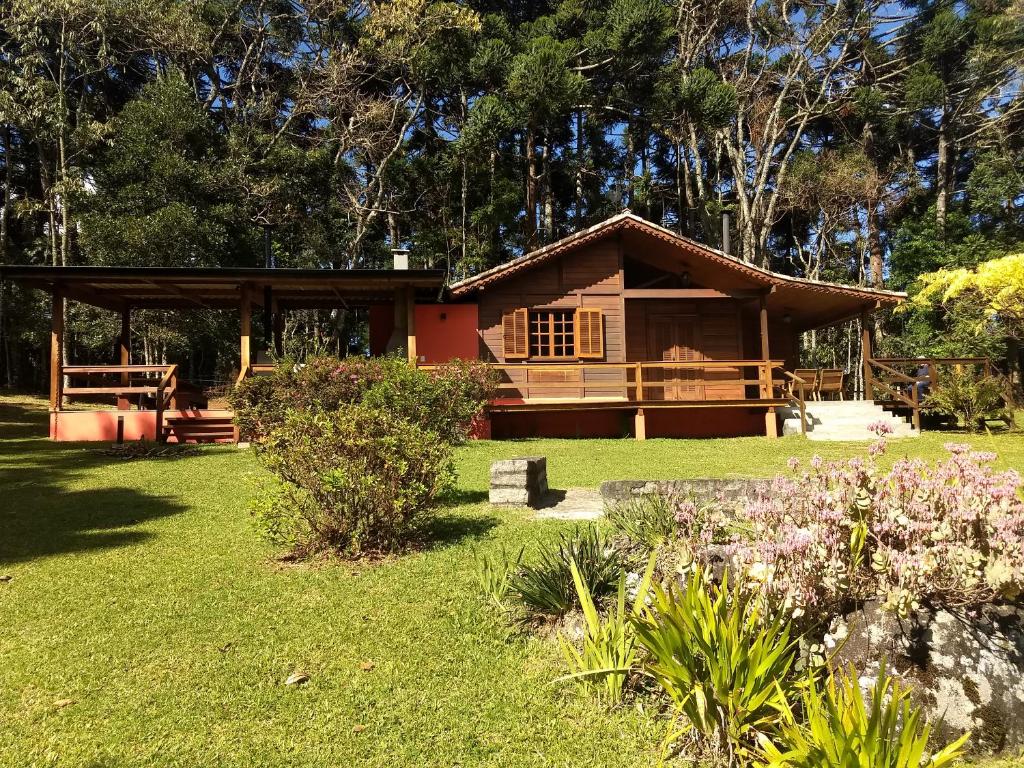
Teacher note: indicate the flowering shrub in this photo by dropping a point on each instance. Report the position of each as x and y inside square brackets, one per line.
[836, 532]
[445, 400]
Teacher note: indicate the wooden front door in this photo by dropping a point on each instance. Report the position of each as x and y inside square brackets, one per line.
[673, 338]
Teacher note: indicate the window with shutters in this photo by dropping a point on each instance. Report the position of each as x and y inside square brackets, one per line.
[553, 334]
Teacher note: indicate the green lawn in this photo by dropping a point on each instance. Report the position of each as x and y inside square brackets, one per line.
[145, 623]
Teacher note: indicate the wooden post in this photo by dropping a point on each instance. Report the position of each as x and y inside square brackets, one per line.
[410, 324]
[245, 338]
[766, 372]
[639, 382]
[268, 304]
[866, 354]
[915, 416]
[771, 424]
[57, 350]
[640, 425]
[765, 351]
[125, 355]
[278, 329]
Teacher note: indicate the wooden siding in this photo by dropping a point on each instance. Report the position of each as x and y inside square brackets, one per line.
[590, 278]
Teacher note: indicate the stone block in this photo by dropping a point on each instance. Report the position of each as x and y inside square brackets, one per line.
[519, 481]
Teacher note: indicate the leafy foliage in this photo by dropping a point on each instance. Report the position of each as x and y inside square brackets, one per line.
[547, 585]
[353, 480]
[445, 400]
[971, 400]
[840, 729]
[727, 666]
[609, 650]
[648, 519]
[949, 533]
[494, 575]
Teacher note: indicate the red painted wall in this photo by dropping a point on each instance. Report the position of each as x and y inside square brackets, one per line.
[661, 422]
[610, 423]
[443, 331]
[101, 426]
[704, 422]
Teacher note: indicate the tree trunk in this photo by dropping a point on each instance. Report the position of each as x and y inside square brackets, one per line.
[465, 183]
[682, 209]
[5, 200]
[580, 164]
[549, 201]
[942, 175]
[874, 245]
[530, 228]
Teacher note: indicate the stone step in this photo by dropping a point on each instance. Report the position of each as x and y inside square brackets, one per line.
[844, 420]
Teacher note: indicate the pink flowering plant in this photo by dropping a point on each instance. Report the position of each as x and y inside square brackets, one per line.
[833, 533]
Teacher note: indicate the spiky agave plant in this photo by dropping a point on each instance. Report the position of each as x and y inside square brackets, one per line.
[728, 668]
[609, 651]
[842, 730]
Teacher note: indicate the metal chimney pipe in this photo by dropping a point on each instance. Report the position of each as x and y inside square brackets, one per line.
[725, 234]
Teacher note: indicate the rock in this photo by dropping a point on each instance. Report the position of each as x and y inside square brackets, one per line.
[966, 671]
[297, 678]
[700, 490]
[519, 482]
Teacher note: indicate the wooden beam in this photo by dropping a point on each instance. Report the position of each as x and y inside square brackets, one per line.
[684, 293]
[176, 291]
[56, 349]
[866, 352]
[640, 425]
[771, 424]
[125, 354]
[245, 337]
[410, 328]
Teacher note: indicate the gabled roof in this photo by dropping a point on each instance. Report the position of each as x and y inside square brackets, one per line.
[630, 221]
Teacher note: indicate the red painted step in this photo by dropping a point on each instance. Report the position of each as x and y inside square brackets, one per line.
[198, 427]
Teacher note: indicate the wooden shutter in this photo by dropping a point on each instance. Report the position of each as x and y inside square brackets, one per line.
[515, 335]
[589, 334]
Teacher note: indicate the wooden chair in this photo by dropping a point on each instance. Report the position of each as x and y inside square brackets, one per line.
[830, 382]
[810, 375]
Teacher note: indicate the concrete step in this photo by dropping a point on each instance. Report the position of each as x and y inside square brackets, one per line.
[843, 420]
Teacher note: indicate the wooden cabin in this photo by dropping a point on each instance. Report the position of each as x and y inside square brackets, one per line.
[630, 328]
[625, 328]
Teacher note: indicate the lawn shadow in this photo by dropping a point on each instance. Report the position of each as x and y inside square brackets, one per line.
[57, 522]
[21, 422]
[449, 530]
[458, 497]
[42, 514]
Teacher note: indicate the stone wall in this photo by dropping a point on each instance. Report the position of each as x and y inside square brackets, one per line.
[698, 489]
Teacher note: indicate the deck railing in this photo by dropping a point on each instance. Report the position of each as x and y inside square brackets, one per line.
[147, 385]
[734, 381]
[130, 380]
[889, 377]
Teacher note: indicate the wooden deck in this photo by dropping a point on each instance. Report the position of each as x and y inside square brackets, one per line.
[899, 384]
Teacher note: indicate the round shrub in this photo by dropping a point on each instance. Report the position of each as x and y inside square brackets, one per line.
[353, 480]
